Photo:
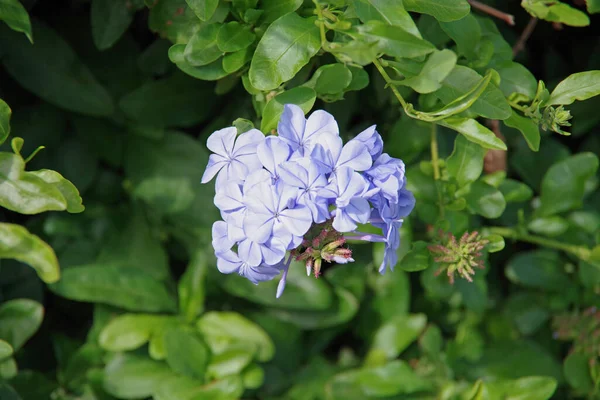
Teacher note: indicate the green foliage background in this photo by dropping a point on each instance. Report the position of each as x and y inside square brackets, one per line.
[119, 296]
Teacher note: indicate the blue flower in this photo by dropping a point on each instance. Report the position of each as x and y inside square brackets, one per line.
[387, 174]
[333, 155]
[305, 174]
[301, 134]
[230, 262]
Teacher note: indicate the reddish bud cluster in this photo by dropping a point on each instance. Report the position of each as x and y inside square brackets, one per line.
[459, 255]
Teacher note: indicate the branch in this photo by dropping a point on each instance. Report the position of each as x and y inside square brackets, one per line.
[508, 18]
[520, 45]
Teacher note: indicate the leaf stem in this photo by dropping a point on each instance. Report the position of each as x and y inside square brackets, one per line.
[508, 18]
[435, 162]
[390, 83]
[324, 42]
[578, 251]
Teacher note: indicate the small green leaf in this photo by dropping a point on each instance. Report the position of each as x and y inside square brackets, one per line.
[210, 72]
[485, 200]
[417, 259]
[389, 11]
[15, 15]
[529, 129]
[465, 164]
[444, 11]
[5, 113]
[130, 331]
[303, 97]
[593, 6]
[129, 288]
[474, 131]
[563, 185]
[17, 243]
[435, 70]
[19, 320]
[204, 9]
[66, 188]
[515, 191]
[109, 20]
[184, 388]
[549, 226]
[253, 376]
[187, 354]
[219, 326]
[191, 288]
[565, 14]
[579, 86]
[273, 9]
[234, 61]
[360, 78]
[515, 78]
[466, 33]
[394, 40]
[286, 46]
[541, 269]
[229, 362]
[6, 350]
[202, 48]
[577, 372]
[331, 79]
[495, 243]
[128, 376]
[395, 335]
[234, 36]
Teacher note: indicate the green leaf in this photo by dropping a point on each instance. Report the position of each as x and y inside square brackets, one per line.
[234, 61]
[495, 243]
[360, 79]
[187, 354]
[485, 200]
[444, 11]
[287, 45]
[234, 36]
[219, 326]
[593, 6]
[396, 334]
[417, 259]
[17, 243]
[204, 9]
[394, 40]
[577, 372]
[529, 388]
[191, 288]
[389, 11]
[173, 101]
[66, 188]
[229, 362]
[515, 78]
[565, 14]
[563, 185]
[51, 70]
[273, 9]
[303, 97]
[19, 320]
[128, 288]
[541, 269]
[466, 33]
[549, 226]
[8, 393]
[332, 79]
[491, 104]
[436, 69]
[529, 129]
[109, 20]
[130, 331]
[515, 191]
[184, 388]
[474, 131]
[202, 48]
[127, 376]
[209, 72]
[579, 86]
[5, 113]
[6, 350]
[465, 163]
[15, 15]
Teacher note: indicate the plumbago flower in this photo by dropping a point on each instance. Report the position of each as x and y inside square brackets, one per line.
[301, 195]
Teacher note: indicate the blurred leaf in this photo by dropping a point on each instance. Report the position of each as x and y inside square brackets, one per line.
[191, 288]
[474, 131]
[389, 11]
[417, 259]
[529, 129]
[485, 200]
[540, 269]
[229, 362]
[184, 388]
[465, 164]
[527, 388]
[548, 226]
[18, 243]
[174, 20]
[127, 376]
[6, 350]
[577, 372]
[32, 385]
[52, 70]
[527, 311]
[396, 334]
[491, 104]
[15, 15]
[109, 20]
[19, 320]
[187, 354]
[593, 6]
[219, 326]
[531, 167]
[204, 9]
[5, 113]
[563, 185]
[304, 97]
[448, 10]
[515, 78]
[273, 9]
[234, 36]
[129, 331]
[131, 289]
[394, 40]
[286, 46]
[436, 69]
[579, 86]
[6, 391]
[556, 12]
[495, 243]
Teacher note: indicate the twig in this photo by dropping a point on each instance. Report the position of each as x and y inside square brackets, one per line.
[520, 45]
[508, 18]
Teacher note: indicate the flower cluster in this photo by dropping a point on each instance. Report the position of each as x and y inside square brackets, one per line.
[300, 192]
[459, 255]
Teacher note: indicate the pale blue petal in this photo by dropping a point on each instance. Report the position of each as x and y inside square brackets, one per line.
[258, 274]
[228, 262]
[250, 252]
[318, 124]
[372, 140]
[230, 198]
[247, 142]
[272, 152]
[359, 210]
[291, 125]
[220, 241]
[258, 227]
[342, 222]
[356, 156]
[297, 220]
[221, 141]
[294, 174]
[215, 164]
[273, 251]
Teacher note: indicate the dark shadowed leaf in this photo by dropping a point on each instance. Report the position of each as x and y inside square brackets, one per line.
[15, 15]
[465, 163]
[128, 376]
[187, 353]
[5, 113]
[109, 20]
[19, 320]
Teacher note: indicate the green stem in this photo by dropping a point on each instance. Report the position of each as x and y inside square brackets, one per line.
[578, 251]
[435, 162]
[324, 43]
[390, 83]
